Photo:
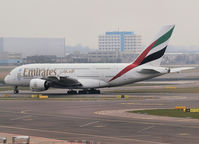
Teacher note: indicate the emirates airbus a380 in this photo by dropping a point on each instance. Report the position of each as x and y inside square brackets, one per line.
[89, 77]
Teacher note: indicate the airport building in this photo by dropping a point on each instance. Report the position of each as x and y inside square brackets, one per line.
[1, 44]
[13, 50]
[120, 41]
[10, 58]
[40, 59]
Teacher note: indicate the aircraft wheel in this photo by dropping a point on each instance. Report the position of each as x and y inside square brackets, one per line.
[90, 92]
[71, 92]
[97, 91]
[16, 91]
[82, 92]
[93, 91]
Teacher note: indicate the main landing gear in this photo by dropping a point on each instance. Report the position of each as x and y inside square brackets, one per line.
[93, 91]
[84, 91]
[16, 91]
[72, 92]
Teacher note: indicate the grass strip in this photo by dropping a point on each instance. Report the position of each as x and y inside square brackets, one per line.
[160, 90]
[169, 112]
[6, 88]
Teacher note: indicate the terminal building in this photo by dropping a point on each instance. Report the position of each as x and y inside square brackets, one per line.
[120, 41]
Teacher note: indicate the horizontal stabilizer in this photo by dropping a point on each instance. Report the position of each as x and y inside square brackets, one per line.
[148, 71]
[172, 70]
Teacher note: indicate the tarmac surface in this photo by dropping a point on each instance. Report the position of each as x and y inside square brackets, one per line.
[102, 121]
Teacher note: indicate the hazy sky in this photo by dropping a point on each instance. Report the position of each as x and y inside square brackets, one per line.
[81, 21]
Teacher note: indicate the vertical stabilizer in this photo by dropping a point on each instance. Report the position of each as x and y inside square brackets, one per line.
[155, 51]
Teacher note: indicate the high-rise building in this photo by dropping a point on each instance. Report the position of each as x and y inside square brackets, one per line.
[120, 41]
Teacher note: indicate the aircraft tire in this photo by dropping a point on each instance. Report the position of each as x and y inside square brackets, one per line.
[82, 92]
[97, 91]
[16, 91]
[94, 91]
[72, 92]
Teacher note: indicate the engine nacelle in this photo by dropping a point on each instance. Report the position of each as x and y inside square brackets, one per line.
[38, 85]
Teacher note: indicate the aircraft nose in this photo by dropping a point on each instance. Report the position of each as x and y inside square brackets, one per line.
[6, 79]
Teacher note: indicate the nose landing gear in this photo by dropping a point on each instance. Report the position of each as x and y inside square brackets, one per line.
[16, 91]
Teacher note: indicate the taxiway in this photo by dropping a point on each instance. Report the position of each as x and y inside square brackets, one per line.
[81, 119]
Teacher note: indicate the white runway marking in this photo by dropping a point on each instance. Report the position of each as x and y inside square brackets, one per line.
[82, 134]
[22, 117]
[89, 124]
[144, 129]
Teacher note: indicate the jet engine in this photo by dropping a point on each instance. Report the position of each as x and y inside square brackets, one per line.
[39, 85]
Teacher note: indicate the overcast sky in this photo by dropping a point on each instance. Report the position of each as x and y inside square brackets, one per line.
[81, 21]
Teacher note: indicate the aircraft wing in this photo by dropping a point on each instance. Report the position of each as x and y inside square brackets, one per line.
[70, 82]
[62, 81]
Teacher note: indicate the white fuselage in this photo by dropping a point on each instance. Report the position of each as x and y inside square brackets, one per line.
[94, 75]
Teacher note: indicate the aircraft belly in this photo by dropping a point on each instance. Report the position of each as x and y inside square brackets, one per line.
[92, 83]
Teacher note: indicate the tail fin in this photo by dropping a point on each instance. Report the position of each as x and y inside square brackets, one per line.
[153, 53]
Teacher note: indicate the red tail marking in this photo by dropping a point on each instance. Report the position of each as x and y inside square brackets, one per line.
[135, 63]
